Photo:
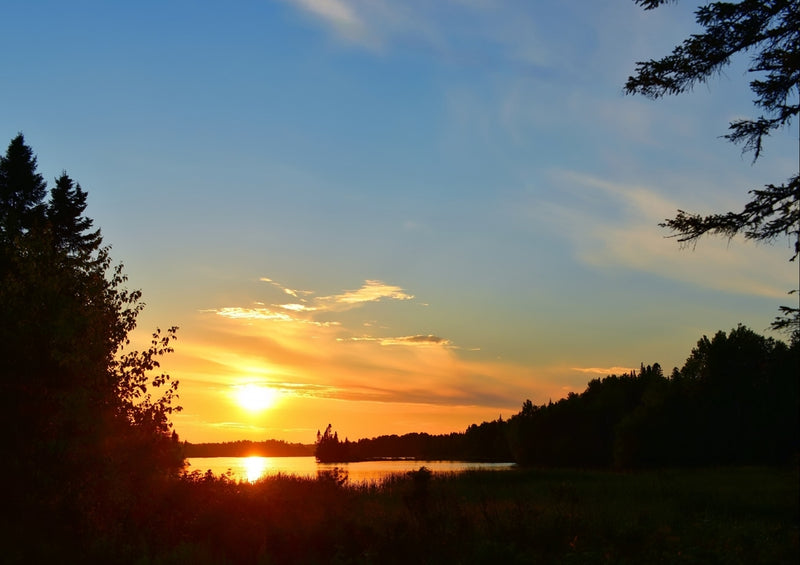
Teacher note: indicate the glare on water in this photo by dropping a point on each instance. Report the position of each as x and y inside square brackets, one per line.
[252, 468]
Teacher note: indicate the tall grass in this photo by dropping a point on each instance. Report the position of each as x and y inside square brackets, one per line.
[730, 515]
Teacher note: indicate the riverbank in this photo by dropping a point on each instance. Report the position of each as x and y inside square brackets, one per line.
[725, 515]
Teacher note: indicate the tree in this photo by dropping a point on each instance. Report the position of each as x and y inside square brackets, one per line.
[769, 30]
[84, 425]
[21, 192]
[69, 225]
[329, 449]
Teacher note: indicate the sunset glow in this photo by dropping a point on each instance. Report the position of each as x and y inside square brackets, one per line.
[390, 216]
[255, 398]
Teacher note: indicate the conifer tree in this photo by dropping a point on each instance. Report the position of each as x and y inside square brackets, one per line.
[769, 31]
[84, 424]
[65, 215]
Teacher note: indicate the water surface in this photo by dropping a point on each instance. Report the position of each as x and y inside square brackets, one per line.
[253, 468]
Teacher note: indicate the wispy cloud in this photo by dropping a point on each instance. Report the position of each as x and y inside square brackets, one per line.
[341, 15]
[415, 340]
[466, 31]
[411, 340]
[630, 238]
[265, 314]
[371, 291]
[604, 371]
[286, 290]
[297, 307]
[338, 12]
[313, 313]
[240, 313]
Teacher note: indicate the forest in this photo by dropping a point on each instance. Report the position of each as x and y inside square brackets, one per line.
[734, 402]
[247, 448]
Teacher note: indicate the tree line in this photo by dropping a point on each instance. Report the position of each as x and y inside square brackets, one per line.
[484, 442]
[246, 448]
[735, 401]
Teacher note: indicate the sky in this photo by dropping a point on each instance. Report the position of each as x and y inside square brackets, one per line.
[394, 216]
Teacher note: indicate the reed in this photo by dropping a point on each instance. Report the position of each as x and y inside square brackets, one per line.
[726, 515]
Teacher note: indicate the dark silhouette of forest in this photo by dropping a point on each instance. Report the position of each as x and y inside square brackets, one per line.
[246, 448]
[486, 442]
[735, 401]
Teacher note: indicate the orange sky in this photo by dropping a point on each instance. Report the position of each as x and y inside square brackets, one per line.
[328, 359]
[398, 216]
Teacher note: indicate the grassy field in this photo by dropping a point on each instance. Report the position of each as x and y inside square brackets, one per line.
[728, 515]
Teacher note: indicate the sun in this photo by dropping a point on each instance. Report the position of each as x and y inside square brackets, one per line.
[255, 398]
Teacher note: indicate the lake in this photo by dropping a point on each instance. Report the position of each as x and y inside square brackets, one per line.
[253, 468]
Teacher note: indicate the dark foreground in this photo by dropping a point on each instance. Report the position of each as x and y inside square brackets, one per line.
[728, 515]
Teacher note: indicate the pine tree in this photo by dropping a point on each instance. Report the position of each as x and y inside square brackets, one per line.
[770, 32]
[69, 226]
[84, 424]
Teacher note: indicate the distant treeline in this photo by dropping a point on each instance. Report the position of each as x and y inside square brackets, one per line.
[735, 401]
[245, 448]
[484, 442]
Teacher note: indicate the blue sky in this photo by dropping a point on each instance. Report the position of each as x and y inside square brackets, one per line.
[399, 216]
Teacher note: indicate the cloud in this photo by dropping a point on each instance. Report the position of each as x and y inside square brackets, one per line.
[341, 15]
[290, 291]
[297, 307]
[468, 32]
[410, 340]
[416, 340]
[604, 371]
[238, 313]
[265, 314]
[289, 348]
[628, 236]
[371, 291]
[337, 12]
[303, 313]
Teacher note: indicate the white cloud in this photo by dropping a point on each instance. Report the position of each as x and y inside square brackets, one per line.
[371, 291]
[631, 238]
[337, 12]
[409, 340]
[297, 307]
[466, 31]
[604, 371]
[239, 313]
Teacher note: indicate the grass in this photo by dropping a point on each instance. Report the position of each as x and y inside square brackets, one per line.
[727, 515]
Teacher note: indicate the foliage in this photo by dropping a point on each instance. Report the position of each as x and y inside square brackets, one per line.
[328, 448]
[731, 515]
[735, 401]
[479, 442]
[83, 430]
[770, 32]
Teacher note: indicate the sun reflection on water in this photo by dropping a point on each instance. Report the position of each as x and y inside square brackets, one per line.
[254, 468]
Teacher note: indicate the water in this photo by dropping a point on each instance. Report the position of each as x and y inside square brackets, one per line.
[253, 468]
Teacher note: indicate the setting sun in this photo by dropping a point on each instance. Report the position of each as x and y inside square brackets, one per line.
[255, 398]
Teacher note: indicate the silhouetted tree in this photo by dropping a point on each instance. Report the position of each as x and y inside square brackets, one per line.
[84, 434]
[329, 449]
[770, 32]
[22, 190]
[735, 401]
[67, 222]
